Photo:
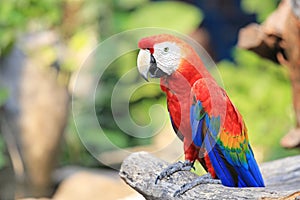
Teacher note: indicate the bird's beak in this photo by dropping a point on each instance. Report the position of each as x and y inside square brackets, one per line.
[146, 63]
[143, 63]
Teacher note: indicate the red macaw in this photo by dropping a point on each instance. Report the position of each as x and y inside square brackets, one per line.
[202, 115]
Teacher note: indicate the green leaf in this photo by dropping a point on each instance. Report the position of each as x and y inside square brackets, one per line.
[177, 16]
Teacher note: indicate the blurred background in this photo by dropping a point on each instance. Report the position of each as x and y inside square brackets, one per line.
[43, 44]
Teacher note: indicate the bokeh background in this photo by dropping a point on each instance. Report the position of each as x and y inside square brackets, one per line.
[44, 43]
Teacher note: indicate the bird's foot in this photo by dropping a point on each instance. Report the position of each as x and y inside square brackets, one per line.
[205, 179]
[175, 167]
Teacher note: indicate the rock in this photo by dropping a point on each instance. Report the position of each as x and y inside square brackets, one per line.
[92, 186]
[139, 170]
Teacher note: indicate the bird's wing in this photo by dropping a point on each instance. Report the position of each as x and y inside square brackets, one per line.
[218, 127]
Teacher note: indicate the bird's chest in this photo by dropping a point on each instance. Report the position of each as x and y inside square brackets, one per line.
[179, 109]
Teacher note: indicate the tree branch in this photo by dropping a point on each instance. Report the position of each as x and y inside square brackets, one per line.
[139, 170]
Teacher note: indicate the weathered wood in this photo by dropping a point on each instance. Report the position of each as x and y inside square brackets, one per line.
[255, 39]
[139, 170]
[265, 39]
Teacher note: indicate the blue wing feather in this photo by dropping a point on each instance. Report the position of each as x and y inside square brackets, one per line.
[196, 123]
[221, 166]
[229, 168]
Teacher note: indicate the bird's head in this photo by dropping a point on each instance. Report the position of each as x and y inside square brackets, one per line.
[160, 55]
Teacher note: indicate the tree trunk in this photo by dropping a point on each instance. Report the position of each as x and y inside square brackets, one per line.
[35, 115]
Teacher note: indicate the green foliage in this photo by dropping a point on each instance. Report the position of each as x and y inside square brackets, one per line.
[166, 14]
[122, 15]
[261, 91]
[17, 16]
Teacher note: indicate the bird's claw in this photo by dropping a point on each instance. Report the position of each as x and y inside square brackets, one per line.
[205, 179]
[175, 167]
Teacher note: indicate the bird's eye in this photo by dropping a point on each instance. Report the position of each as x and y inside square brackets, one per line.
[166, 49]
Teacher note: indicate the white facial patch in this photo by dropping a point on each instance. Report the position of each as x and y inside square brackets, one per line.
[167, 56]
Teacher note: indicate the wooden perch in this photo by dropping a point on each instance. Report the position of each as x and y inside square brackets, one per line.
[139, 170]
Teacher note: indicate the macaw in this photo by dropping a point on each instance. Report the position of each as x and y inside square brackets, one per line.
[202, 115]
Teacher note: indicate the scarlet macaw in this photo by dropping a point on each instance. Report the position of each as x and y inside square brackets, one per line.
[202, 115]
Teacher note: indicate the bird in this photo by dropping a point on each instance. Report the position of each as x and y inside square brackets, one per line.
[201, 113]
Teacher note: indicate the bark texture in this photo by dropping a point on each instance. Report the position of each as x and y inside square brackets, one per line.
[139, 170]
